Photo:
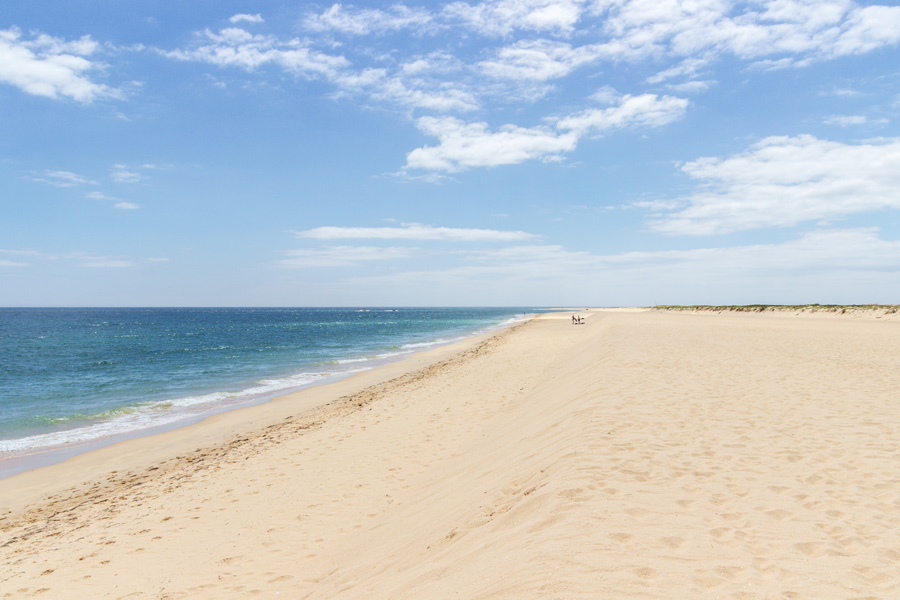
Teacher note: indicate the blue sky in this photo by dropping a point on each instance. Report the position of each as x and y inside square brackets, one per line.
[510, 152]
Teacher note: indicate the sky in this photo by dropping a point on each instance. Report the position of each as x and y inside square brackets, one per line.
[496, 153]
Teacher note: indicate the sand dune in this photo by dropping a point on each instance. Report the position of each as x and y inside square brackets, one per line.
[641, 455]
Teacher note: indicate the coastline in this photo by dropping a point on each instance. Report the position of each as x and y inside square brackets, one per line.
[646, 454]
[131, 422]
[147, 449]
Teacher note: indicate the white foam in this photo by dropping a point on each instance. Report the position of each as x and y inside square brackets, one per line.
[350, 361]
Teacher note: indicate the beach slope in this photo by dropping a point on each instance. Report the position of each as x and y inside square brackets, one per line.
[644, 454]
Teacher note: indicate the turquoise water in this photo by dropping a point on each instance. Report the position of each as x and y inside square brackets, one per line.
[73, 376]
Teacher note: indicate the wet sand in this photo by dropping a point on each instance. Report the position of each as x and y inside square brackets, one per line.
[645, 454]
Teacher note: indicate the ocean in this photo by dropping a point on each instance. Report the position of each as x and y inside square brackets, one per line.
[76, 376]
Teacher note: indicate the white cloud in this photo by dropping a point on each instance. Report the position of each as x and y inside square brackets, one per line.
[464, 145]
[783, 181]
[415, 231]
[77, 259]
[120, 204]
[343, 256]
[646, 110]
[686, 37]
[536, 60]
[367, 21]
[50, 67]
[493, 18]
[845, 120]
[850, 120]
[688, 67]
[410, 92]
[63, 179]
[837, 266]
[502, 17]
[418, 86]
[809, 29]
[245, 18]
[121, 174]
[804, 30]
[11, 263]
[867, 29]
[847, 92]
[690, 87]
[104, 262]
[235, 47]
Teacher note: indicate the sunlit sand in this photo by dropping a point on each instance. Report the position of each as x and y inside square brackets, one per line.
[644, 454]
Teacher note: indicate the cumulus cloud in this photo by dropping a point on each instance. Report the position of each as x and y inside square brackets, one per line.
[343, 256]
[464, 145]
[51, 67]
[782, 181]
[415, 231]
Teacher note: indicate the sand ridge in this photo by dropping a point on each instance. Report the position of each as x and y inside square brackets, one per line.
[641, 455]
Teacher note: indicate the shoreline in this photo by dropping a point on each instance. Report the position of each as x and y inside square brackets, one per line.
[136, 452]
[16, 462]
[645, 454]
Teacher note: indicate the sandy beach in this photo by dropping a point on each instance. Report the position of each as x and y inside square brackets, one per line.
[644, 454]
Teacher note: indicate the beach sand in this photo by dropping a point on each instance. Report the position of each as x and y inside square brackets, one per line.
[645, 454]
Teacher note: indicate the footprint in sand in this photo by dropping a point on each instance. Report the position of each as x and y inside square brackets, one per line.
[779, 514]
[871, 575]
[812, 549]
[674, 543]
[734, 574]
